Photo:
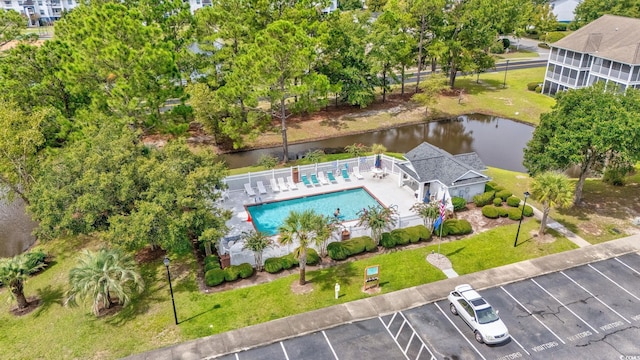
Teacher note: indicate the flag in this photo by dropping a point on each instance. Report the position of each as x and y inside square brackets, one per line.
[443, 211]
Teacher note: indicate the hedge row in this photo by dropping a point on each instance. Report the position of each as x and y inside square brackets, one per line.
[277, 264]
[217, 276]
[405, 236]
[514, 213]
[485, 198]
[211, 262]
[341, 250]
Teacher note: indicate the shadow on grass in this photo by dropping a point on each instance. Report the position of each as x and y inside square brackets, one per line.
[472, 88]
[139, 303]
[48, 296]
[327, 278]
[455, 252]
[214, 307]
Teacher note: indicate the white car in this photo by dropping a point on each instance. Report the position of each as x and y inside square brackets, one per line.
[478, 314]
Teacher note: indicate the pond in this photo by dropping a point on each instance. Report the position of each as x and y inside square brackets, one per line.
[499, 142]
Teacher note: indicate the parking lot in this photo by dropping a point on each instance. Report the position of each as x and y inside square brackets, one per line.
[586, 312]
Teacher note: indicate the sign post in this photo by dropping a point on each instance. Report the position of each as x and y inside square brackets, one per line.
[337, 290]
[371, 277]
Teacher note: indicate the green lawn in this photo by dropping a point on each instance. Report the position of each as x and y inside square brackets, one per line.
[148, 322]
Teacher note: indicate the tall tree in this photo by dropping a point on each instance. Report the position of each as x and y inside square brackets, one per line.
[588, 10]
[11, 25]
[282, 53]
[553, 190]
[14, 272]
[106, 277]
[22, 137]
[428, 15]
[302, 228]
[585, 127]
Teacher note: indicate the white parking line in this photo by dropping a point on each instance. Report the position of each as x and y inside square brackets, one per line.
[630, 268]
[595, 297]
[459, 331]
[284, 351]
[565, 306]
[329, 343]
[394, 339]
[424, 346]
[615, 283]
[532, 315]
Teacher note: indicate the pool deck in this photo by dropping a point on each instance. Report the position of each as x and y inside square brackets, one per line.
[385, 190]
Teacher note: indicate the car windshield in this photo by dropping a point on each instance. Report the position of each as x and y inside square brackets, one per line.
[486, 315]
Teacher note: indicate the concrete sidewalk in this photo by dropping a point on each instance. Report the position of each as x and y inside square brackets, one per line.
[281, 329]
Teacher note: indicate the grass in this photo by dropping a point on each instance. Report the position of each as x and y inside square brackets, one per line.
[147, 323]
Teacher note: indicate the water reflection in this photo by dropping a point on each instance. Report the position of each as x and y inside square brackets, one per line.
[499, 142]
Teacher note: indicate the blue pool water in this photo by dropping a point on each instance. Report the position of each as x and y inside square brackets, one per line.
[268, 217]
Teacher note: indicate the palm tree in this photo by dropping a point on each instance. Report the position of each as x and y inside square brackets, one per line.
[378, 219]
[257, 242]
[304, 227]
[327, 226]
[553, 190]
[104, 276]
[14, 273]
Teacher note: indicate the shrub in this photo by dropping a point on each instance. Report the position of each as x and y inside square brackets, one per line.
[513, 201]
[543, 45]
[538, 89]
[267, 161]
[503, 194]
[35, 258]
[497, 48]
[459, 203]
[312, 257]
[231, 273]
[503, 211]
[337, 251]
[214, 277]
[245, 270]
[483, 199]
[354, 246]
[514, 213]
[288, 261]
[561, 26]
[490, 211]
[506, 43]
[272, 265]
[211, 262]
[369, 244]
[401, 235]
[387, 240]
[554, 36]
[417, 233]
[497, 202]
[528, 210]
[457, 227]
[490, 186]
[532, 86]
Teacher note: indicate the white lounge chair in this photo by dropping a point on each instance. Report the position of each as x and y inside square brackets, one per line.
[261, 188]
[274, 185]
[249, 190]
[322, 178]
[356, 173]
[283, 185]
[291, 184]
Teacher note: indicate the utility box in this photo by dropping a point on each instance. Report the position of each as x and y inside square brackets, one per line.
[225, 261]
[296, 175]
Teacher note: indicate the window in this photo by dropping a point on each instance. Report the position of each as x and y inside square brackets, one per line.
[8, 3]
[69, 2]
[41, 12]
[39, 2]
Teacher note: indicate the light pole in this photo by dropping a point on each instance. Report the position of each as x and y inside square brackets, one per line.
[526, 195]
[166, 264]
[504, 83]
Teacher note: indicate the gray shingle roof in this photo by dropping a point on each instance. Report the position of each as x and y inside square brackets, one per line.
[432, 163]
[610, 37]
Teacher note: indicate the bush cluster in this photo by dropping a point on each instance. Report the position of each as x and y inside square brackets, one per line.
[341, 250]
[211, 262]
[513, 201]
[456, 227]
[214, 277]
[532, 86]
[484, 199]
[405, 236]
[217, 276]
[497, 201]
[459, 203]
[277, 264]
[490, 212]
[35, 258]
[554, 36]
[491, 186]
[503, 194]
[528, 210]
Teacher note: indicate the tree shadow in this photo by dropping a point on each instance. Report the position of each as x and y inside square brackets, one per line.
[49, 296]
[139, 304]
[328, 277]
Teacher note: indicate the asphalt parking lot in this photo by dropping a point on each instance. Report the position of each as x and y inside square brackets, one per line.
[586, 312]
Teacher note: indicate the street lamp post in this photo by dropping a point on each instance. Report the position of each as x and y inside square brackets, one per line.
[526, 195]
[166, 264]
[504, 83]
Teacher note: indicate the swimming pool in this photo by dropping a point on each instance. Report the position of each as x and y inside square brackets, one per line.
[268, 217]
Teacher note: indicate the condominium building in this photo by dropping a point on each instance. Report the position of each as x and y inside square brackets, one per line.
[607, 49]
[39, 12]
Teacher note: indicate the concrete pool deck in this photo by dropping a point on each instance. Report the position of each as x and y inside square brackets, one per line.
[385, 190]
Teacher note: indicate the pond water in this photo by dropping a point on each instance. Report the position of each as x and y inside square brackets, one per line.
[499, 142]
[15, 228]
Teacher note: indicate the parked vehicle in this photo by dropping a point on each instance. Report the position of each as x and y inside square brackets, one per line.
[478, 314]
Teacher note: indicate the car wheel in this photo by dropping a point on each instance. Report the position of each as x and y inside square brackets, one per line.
[479, 337]
[453, 309]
